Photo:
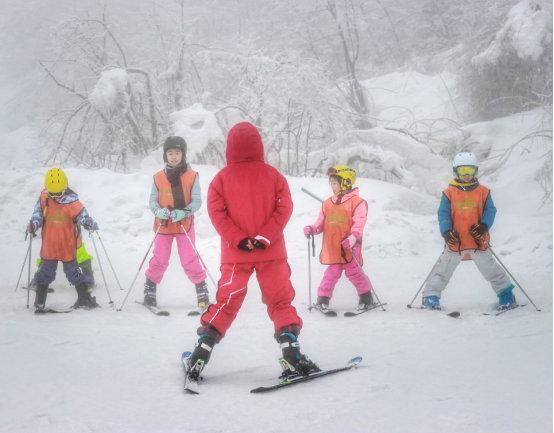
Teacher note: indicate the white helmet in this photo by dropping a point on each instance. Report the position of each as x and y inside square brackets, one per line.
[464, 158]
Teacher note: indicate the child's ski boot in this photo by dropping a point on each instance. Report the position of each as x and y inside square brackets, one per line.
[84, 299]
[40, 298]
[365, 301]
[293, 362]
[506, 299]
[431, 302]
[150, 293]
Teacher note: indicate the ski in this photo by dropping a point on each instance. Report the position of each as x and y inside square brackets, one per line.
[155, 310]
[191, 386]
[326, 311]
[358, 312]
[453, 314]
[298, 379]
[53, 310]
[499, 312]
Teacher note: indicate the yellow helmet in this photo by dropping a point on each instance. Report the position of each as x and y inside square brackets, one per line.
[346, 174]
[55, 181]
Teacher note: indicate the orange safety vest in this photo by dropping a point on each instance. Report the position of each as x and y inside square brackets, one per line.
[165, 199]
[336, 227]
[466, 209]
[59, 232]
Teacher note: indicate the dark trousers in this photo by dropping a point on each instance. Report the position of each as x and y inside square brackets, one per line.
[46, 273]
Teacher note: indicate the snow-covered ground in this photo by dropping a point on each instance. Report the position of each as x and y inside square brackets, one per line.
[107, 371]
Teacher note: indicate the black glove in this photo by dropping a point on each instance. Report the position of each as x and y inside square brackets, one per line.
[31, 229]
[89, 224]
[478, 230]
[452, 238]
[246, 245]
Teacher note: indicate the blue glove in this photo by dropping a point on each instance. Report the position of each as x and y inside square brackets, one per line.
[162, 213]
[89, 224]
[179, 214]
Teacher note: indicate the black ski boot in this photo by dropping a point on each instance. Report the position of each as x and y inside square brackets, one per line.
[84, 300]
[365, 301]
[202, 295]
[200, 355]
[150, 293]
[294, 363]
[86, 268]
[40, 298]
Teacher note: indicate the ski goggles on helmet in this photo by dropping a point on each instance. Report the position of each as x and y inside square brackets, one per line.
[466, 170]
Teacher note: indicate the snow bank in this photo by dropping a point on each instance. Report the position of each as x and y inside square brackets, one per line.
[401, 98]
[389, 156]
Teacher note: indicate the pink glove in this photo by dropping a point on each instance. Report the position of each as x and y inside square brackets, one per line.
[349, 242]
[308, 230]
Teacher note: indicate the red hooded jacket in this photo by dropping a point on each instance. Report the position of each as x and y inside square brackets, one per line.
[248, 199]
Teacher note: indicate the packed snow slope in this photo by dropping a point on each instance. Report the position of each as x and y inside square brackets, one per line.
[107, 371]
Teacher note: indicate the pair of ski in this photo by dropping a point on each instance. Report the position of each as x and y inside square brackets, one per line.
[159, 312]
[192, 386]
[456, 314]
[332, 313]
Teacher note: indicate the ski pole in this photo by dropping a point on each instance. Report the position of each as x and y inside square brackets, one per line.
[374, 292]
[309, 275]
[140, 267]
[512, 277]
[198, 255]
[422, 284]
[311, 194]
[109, 261]
[100, 266]
[23, 265]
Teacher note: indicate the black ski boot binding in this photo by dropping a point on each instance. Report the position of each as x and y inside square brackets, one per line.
[84, 299]
[150, 293]
[293, 362]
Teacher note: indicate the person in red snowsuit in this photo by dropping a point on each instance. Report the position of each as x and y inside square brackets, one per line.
[249, 204]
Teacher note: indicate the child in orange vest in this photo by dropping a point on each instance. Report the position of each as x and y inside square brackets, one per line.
[342, 220]
[59, 212]
[174, 198]
[466, 214]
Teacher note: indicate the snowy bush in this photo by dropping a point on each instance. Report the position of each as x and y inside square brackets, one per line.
[514, 72]
[110, 91]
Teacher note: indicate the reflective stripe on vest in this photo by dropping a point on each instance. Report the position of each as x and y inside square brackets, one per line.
[337, 224]
[59, 233]
[466, 209]
[165, 199]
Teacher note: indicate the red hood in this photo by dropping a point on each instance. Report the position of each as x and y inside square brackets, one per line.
[244, 143]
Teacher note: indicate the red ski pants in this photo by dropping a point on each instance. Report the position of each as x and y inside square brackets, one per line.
[277, 294]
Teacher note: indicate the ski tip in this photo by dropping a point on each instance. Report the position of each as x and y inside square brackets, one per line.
[186, 354]
[354, 361]
[349, 314]
[454, 314]
[409, 306]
